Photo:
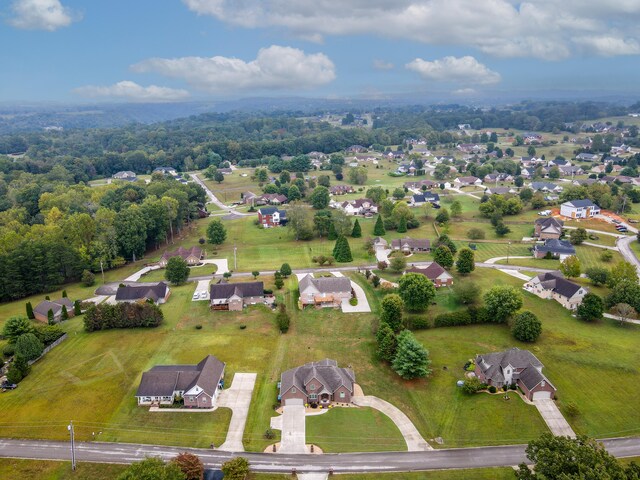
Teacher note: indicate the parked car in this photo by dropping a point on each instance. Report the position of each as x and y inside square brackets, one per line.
[204, 295]
[545, 213]
[196, 295]
[631, 220]
[623, 229]
[616, 221]
[8, 386]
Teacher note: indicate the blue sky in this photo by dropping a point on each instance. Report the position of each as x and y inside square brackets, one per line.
[169, 50]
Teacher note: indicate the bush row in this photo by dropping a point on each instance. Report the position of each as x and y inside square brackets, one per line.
[122, 315]
[470, 316]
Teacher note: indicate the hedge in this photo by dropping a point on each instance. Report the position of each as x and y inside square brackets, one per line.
[418, 323]
[470, 316]
[122, 315]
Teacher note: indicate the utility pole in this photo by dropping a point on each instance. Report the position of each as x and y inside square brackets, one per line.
[102, 270]
[73, 446]
[235, 258]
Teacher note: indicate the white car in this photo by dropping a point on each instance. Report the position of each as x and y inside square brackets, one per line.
[545, 213]
[195, 296]
[204, 295]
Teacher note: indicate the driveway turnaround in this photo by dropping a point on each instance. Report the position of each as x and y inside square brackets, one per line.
[553, 418]
[292, 425]
[413, 439]
[238, 399]
[363, 304]
[221, 263]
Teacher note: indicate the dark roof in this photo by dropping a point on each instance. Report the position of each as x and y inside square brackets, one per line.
[556, 246]
[433, 271]
[547, 222]
[140, 292]
[423, 243]
[531, 377]
[556, 282]
[581, 203]
[325, 284]
[163, 380]
[271, 211]
[56, 305]
[223, 291]
[492, 364]
[325, 371]
[426, 197]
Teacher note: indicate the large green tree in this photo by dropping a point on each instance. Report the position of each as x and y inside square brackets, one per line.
[622, 272]
[466, 261]
[526, 327]
[131, 232]
[177, 271]
[391, 311]
[342, 250]
[16, 326]
[357, 230]
[443, 256]
[235, 469]
[417, 291]
[387, 342]
[300, 221]
[378, 229]
[411, 359]
[216, 232]
[570, 267]
[320, 197]
[502, 301]
[591, 308]
[29, 346]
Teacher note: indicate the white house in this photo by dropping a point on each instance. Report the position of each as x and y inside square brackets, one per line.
[579, 209]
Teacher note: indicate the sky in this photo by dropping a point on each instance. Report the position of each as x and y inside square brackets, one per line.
[182, 50]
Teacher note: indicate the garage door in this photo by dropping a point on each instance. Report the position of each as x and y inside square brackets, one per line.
[542, 395]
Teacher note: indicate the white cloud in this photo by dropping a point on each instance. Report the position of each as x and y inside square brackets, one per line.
[547, 29]
[464, 70]
[275, 67]
[464, 92]
[382, 65]
[610, 46]
[41, 15]
[129, 90]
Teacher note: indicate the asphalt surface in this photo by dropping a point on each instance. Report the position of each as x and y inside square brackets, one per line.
[503, 456]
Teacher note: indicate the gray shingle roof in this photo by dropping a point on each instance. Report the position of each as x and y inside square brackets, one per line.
[433, 271]
[423, 243]
[140, 292]
[556, 282]
[56, 305]
[556, 246]
[547, 222]
[492, 364]
[184, 253]
[325, 371]
[325, 284]
[163, 380]
[581, 203]
[222, 291]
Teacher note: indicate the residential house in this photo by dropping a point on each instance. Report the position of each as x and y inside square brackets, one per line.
[191, 255]
[548, 227]
[500, 190]
[466, 182]
[613, 159]
[560, 249]
[558, 162]
[249, 198]
[419, 199]
[585, 181]
[126, 175]
[497, 177]
[319, 383]
[553, 285]
[411, 245]
[166, 171]
[434, 272]
[619, 178]
[270, 199]
[324, 291]
[579, 209]
[356, 149]
[198, 385]
[570, 170]
[472, 148]
[142, 292]
[444, 158]
[545, 187]
[587, 157]
[235, 296]
[41, 311]
[515, 366]
[618, 148]
[418, 186]
[361, 206]
[341, 189]
[270, 217]
[225, 171]
[530, 138]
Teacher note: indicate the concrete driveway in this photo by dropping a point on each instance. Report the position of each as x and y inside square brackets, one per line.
[136, 276]
[221, 263]
[413, 439]
[363, 303]
[238, 399]
[553, 418]
[202, 287]
[292, 425]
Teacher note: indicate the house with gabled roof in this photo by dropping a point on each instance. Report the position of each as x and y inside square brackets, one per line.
[584, 208]
[198, 385]
[411, 245]
[553, 285]
[548, 227]
[434, 272]
[467, 182]
[587, 157]
[419, 199]
[234, 296]
[191, 255]
[545, 187]
[361, 206]
[500, 190]
[560, 249]
[320, 383]
[270, 217]
[41, 311]
[515, 366]
[324, 291]
[142, 292]
[126, 175]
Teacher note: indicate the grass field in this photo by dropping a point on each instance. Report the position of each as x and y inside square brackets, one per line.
[589, 257]
[343, 430]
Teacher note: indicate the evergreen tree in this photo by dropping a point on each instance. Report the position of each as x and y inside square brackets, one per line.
[332, 235]
[357, 231]
[391, 313]
[285, 270]
[443, 256]
[411, 359]
[378, 229]
[65, 313]
[402, 225]
[76, 308]
[50, 317]
[64, 294]
[342, 251]
[387, 343]
[30, 314]
[466, 261]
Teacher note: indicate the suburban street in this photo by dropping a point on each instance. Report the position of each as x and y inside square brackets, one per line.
[267, 462]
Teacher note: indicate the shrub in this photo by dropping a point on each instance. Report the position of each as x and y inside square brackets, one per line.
[526, 327]
[122, 315]
[492, 389]
[606, 256]
[283, 319]
[353, 301]
[461, 317]
[48, 333]
[269, 434]
[418, 323]
[198, 327]
[572, 410]
[8, 351]
[471, 385]
[88, 278]
[375, 281]
[476, 234]
[243, 326]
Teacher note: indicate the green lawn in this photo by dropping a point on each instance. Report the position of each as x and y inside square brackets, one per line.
[471, 474]
[344, 429]
[48, 470]
[589, 257]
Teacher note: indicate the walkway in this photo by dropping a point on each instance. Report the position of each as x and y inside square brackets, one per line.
[553, 418]
[415, 442]
[497, 259]
[620, 319]
[238, 399]
[363, 303]
[515, 273]
[214, 199]
[600, 246]
[293, 427]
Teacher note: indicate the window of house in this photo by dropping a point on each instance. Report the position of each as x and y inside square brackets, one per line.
[313, 396]
[342, 395]
[312, 386]
[293, 390]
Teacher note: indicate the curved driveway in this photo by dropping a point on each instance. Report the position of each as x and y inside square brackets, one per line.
[214, 199]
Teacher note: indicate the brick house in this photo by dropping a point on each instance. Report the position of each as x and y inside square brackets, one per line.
[341, 189]
[191, 255]
[409, 244]
[324, 291]
[158, 292]
[270, 217]
[560, 249]
[548, 227]
[553, 285]
[434, 272]
[234, 296]
[515, 366]
[417, 186]
[41, 311]
[319, 383]
[199, 385]
[270, 199]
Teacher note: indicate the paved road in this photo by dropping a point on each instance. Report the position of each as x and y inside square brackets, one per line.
[264, 462]
[214, 199]
[624, 245]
